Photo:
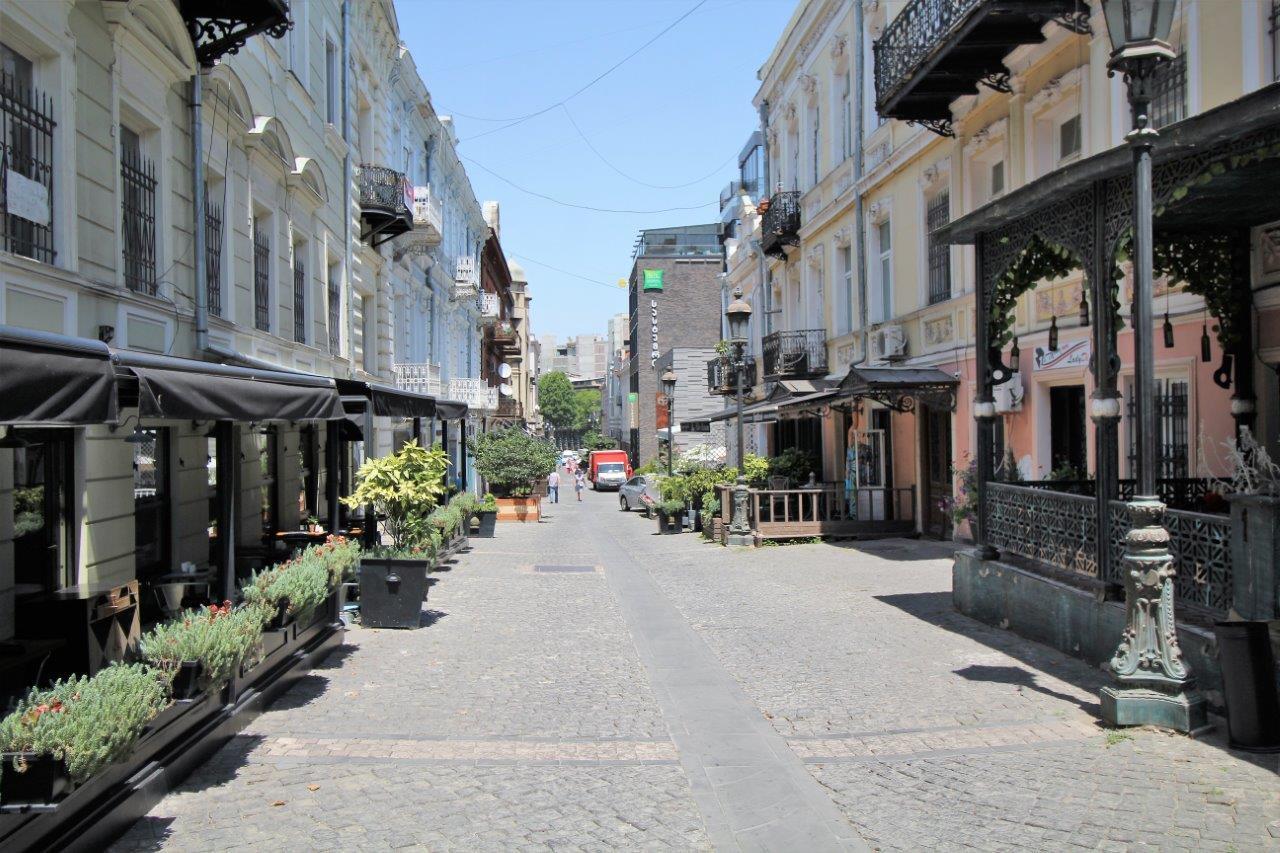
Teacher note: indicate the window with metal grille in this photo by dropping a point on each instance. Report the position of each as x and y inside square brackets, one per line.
[334, 292]
[26, 160]
[1171, 428]
[261, 274]
[1169, 92]
[138, 214]
[213, 253]
[299, 296]
[1273, 30]
[936, 216]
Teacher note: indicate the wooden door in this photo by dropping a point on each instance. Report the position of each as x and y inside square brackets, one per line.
[936, 440]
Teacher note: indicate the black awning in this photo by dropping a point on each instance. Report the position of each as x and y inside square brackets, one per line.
[54, 379]
[900, 388]
[171, 387]
[388, 401]
[351, 428]
[450, 410]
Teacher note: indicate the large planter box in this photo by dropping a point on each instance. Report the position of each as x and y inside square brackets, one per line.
[1255, 556]
[44, 782]
[669, 524]
[488, 522]
[392, 592]
[519, 509]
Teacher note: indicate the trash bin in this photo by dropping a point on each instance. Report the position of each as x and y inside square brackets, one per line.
[1249, 685]
[392, 592]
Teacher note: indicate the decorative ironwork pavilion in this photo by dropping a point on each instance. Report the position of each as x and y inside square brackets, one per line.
[1216, 176]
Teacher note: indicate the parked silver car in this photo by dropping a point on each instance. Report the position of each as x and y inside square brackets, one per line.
[640, 492]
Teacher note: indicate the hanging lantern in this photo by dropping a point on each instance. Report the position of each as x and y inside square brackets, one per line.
[1168, 332]
[1084, 309]
[1206, 348]
[1014, 356]
[1053, 334]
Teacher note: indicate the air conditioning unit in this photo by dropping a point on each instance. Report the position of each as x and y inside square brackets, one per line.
[890, 342]
[1008, 395]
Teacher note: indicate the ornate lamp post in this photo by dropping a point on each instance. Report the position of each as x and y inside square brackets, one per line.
[738, 315]
[668, 381]
[1155, 685]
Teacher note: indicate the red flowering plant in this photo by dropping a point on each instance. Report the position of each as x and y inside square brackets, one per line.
[218, 636]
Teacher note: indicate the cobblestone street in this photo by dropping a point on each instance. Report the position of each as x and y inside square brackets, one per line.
[585, 683]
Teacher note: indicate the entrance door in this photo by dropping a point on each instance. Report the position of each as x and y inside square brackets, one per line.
[1067, 431]
[936, 425]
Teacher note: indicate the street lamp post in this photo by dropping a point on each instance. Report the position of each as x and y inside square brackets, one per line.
[669, 389]
[738, 314]
[1155, 685]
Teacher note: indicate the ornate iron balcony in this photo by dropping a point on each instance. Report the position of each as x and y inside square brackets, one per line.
[795, 354]
[489, 307]
[722, 380]
[220, 27]
[781, 225]
[420, 378]
[386, 203]
[934, 51]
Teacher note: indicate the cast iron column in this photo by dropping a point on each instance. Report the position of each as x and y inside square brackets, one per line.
[739, 532]
[1104, 406]
[984, 410]
[1155, 683]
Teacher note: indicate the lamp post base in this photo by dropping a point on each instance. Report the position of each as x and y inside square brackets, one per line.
[740, 540]
[1184, 711]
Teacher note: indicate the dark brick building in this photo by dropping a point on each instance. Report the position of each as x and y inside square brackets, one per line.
[674, 301]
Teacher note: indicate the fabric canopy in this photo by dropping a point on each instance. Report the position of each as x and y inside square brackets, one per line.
[388, 401]
[900, 388]
[451, 410]
[54, 379]
[171, 387]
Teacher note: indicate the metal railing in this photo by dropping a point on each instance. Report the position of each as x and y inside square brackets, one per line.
[795, 353]
[466, 278]
[508, 407]
[721, 378]
[490, 308]
[382, 190]
[261, 277]
[831, 502]
[26, 170]
[138, 221]
[1201, 548]
[333, 289]
[213, 256]
[418, 377]
[476, 393]
[299, 301]
[781, 222]
[911, 37]
[1193, 494]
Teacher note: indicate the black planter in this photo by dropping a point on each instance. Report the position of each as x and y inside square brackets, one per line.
[186, 682]
[668, 524]
[281, 617]
[488, 523]
[392, 592]
[1249, 685]
[45, 780]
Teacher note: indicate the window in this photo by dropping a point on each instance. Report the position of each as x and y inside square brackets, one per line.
[1069, 138]
[213, 248]
[369, 338]
[817, 130]
[267, 441]
[1169, 92]
[151, 501]
[331, 82]
[298, 43]
[997, 179]
[937, 215]
[334, 292]
[211, 481]
[884, 245]
[300, 293]
[26, 150]
[843, 320]
[262, 273]
[42, 528]
[138, 214]
[1171, 427]
[846, 118]
[310, 473]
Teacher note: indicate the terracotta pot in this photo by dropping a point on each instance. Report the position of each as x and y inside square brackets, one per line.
[519, 509]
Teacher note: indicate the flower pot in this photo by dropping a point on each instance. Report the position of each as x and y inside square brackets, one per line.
[186, 681]
[519, 509]
[392, 592]
[45, 779]
[488, 519]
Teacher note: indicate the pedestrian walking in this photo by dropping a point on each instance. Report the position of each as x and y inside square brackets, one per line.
[579, 483]
[553, 486]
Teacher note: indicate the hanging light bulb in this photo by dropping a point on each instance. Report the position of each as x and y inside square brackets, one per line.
[1206, 348]
[1168, 332]
[1014, 356]
[1084, 309]
[1053, 334]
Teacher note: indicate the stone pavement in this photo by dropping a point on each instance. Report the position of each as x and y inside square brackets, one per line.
[666, 693]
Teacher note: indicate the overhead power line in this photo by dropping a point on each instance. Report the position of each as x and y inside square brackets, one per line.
[566, 272]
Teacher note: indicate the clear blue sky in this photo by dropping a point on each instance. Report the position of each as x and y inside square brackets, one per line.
[676, 113]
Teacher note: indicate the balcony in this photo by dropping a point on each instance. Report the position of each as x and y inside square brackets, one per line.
[504, 336]
[508, 407]
[427, 230]
[781, 225]
[466, 279]
[938, 50]
[490, 309]
[386, 204]
[420, 378]
[793, 355]
[721, 378]
[476, 393]
[220, 27]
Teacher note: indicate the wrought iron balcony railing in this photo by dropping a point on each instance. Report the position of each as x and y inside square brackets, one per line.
[419, 377]
[795, 354]
[781, 224]
[934, 51]
[476, 393]
[504, 334]
[508, 407]
[466, 278]
[721, 378]
[490, 308]
[386, 203]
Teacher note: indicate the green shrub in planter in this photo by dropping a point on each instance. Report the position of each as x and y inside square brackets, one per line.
[88, 722]
[218, 637]
[403, 488]
[302, 583]
[511, 460]
[488, 503]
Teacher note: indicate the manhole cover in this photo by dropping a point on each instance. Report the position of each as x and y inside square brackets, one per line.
[559, 568]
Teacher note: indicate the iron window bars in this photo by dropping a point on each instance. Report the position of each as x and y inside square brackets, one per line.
[334, 306]
[26, 149]
[138, 217]
[213, 255]
[261, 276]
[299, 299]
[937, 215]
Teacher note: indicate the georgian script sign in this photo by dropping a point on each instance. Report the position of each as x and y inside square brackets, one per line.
[653, 319]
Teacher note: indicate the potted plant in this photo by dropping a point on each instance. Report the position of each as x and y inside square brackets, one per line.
[669, 516]
[512, 461]
[313, 524]
[487, 516]
[403, 488]
[201, 649]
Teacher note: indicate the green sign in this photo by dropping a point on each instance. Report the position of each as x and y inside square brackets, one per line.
[653, 279]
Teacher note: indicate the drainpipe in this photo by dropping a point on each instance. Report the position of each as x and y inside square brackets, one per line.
[346, 173]
[859, 214]
[197, 209]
